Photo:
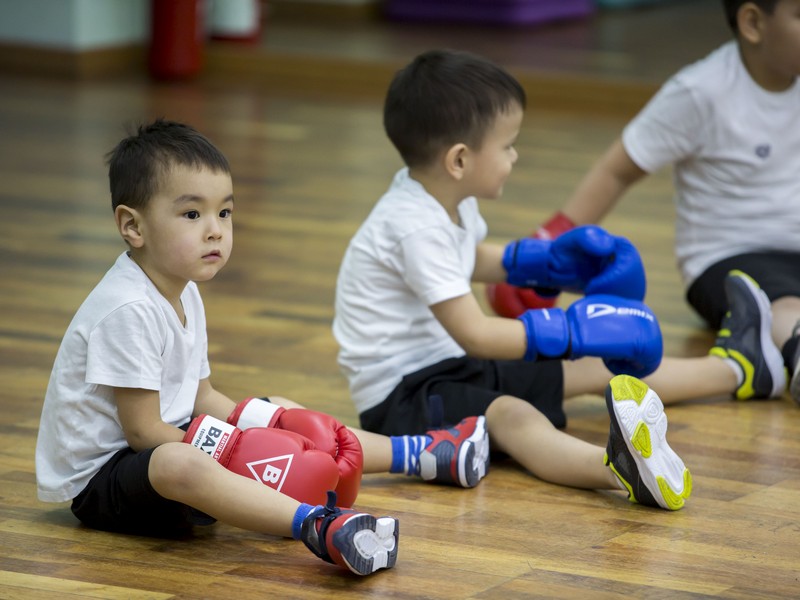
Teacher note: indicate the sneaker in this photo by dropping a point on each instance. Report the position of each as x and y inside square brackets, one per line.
[794, 384]
[350, 539]
[745, 339]
[459, 455]
[637, 449]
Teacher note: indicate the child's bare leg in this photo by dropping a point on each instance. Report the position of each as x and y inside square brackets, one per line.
[585, 376]
[356, 541]
[179, 472]
[785, 316]
[377, 450]
[675, 380]
[678, 379]
[524, 433]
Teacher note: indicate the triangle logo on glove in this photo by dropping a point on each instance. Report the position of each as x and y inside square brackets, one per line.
[272, 472]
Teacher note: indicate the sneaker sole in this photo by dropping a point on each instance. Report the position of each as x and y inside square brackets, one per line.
[639, 414]
[772, 356]
[473, 456]
[367, 543]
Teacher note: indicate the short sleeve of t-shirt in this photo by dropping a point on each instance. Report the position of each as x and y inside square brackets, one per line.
[434, 270]
[667, 130]
[138, 362]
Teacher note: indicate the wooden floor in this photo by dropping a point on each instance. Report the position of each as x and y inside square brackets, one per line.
[307, 168]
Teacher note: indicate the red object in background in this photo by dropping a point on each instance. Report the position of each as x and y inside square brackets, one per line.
[177, 38]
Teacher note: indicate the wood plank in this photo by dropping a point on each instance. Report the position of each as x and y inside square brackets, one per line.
[19, 585]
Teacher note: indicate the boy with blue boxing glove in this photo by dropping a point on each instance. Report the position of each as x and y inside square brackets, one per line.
[419, 351]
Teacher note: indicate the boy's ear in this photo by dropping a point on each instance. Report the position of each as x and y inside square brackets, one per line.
[127, 220]
[750, 21]
[455, 160]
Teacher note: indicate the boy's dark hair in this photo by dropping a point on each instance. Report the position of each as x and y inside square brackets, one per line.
[137, 163]
[732, 9]
[443, 98]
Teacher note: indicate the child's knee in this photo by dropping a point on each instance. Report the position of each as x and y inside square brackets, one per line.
[176, 465]
[508, 411]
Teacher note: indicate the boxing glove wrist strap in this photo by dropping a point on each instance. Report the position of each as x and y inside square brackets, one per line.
[526, 262]
[211, 435]
[547, 332]
[254, 412]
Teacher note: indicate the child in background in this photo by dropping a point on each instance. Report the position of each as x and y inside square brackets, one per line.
[729, 125]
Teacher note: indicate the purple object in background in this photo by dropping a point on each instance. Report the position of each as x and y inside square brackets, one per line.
[495, 12]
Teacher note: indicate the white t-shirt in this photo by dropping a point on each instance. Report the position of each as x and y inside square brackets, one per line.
[125, 334]
[405, 257]
[735, 148]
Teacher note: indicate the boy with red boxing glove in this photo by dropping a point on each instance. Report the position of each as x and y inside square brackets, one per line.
[132, 431]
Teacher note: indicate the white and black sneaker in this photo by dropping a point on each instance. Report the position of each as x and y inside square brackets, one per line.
[745, 340]
[637, 450]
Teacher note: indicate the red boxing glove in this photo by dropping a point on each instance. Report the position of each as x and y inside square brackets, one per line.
[285, 461]
[510, 301]
[328, 435]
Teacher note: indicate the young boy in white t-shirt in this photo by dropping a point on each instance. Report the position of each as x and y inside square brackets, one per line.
[132, 431]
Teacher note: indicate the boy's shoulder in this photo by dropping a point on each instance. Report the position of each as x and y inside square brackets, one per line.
[123, 284]
[715, 71]
[404, 207]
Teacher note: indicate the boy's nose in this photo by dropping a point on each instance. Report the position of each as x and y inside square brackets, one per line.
[214, 229]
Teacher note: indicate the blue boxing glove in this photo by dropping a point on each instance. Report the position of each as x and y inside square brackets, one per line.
[623, 275]
[586, 259]
[624, 333]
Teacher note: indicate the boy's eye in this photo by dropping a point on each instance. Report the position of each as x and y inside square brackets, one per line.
[192, 214]
[225, 213]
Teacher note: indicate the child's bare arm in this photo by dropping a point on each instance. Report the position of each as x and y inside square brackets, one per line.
[480, 335]
[603, 185]
[211, 402]
[489, 263]
[140, 415]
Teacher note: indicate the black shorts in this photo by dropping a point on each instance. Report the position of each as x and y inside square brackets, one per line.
[120, 498]
[778, 274]
[443, 394]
